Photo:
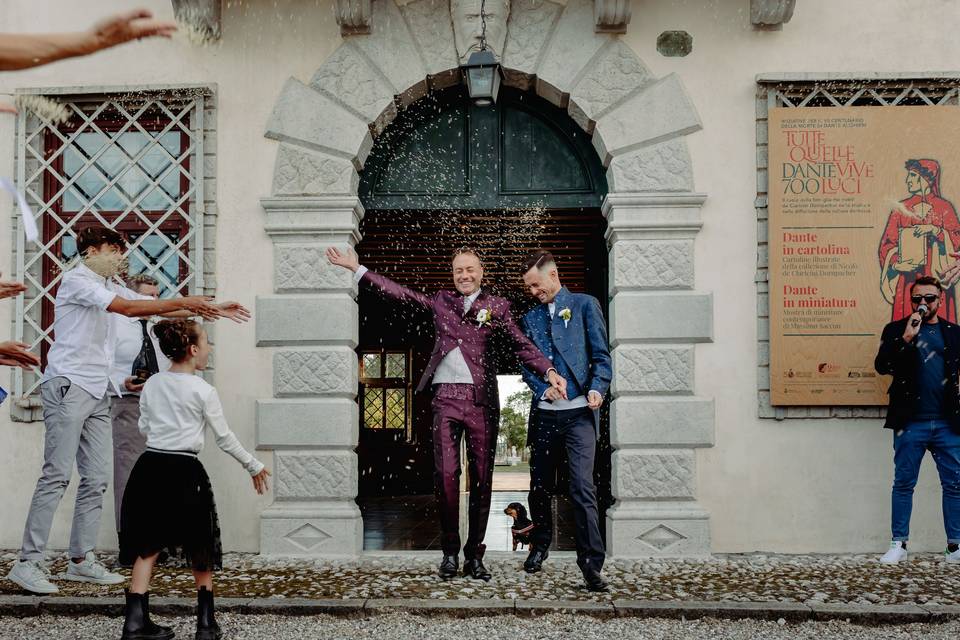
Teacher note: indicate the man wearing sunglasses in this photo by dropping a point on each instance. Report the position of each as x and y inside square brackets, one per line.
[922, 353]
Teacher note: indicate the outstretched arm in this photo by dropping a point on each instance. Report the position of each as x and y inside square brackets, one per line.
[529, 355]
[349, 260]
[535, 382]
[22, 51]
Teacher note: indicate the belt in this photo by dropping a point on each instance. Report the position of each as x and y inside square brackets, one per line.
[192, 454]
[453, 391]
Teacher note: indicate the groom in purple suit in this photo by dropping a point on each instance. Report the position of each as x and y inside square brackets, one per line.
[465, 397]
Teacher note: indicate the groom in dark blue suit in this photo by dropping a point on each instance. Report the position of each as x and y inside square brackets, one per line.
[570, 330]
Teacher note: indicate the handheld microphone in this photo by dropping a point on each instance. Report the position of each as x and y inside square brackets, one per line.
[922, 310]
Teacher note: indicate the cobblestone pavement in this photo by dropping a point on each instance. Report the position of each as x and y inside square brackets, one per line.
[404, 627]
[926, 579]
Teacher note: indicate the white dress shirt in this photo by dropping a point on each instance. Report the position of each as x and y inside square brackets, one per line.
[84, 331]
[174, 409]
[129, 341]
[561, 404]
[453, 368]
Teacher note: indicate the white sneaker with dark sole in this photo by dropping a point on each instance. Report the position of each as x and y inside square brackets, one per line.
[951, 557]
[32, 577]
[90, 570]
[896, 554]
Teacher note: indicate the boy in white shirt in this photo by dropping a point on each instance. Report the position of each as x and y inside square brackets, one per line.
[76, 409]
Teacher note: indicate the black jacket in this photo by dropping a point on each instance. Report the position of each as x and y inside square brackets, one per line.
[900, 359]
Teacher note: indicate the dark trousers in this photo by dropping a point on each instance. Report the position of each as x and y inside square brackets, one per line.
[456, 415]
[550, 433]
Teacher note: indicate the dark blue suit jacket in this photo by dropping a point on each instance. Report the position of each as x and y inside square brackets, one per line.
[581, 342]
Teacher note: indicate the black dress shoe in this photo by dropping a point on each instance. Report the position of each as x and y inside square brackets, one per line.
[448, 567]
[475, 569]
[595, 581]
[534, 561]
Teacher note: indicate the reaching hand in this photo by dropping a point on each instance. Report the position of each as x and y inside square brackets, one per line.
[130, 385]
[202, 306]
[17, 354]
[9, 288]
[124, 27]
[235, 311]
[260, 484]
[347, 259]
[557, 382]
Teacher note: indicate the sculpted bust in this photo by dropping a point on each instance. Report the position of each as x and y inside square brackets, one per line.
[468, 27]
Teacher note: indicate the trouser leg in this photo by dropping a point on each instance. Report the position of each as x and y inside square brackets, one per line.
[909, 446]
[93, 465]
[63, 418]
[128, 445]
[581, 443]
[544, 453]
[945, 447]
[481, 449]
[447, 428]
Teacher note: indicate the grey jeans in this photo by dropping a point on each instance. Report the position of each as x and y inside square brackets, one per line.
[77, 429]
[128, 444]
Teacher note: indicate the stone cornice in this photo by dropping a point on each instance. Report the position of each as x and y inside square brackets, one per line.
[312, 217]
[771, 14]
[353, 16]
[611, 16]
[635, 216]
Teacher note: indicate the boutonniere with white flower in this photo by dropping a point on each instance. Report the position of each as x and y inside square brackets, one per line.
[565, 315]
[483, 317]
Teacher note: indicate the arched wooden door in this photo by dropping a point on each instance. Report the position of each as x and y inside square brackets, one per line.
[506, 180]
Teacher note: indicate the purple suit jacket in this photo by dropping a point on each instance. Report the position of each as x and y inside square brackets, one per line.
[456, 329]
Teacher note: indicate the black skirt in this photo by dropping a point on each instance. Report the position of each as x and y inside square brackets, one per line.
[168, 506]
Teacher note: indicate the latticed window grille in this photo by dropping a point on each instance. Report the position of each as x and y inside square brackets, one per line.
[808, 90]
[133, 162]
[385, 390]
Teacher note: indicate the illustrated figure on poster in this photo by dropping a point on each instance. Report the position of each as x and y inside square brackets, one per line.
[921, 233]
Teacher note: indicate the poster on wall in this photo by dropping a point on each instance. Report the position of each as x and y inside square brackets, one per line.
[861, 203]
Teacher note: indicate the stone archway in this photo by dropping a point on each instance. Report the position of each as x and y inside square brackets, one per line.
[637, 123]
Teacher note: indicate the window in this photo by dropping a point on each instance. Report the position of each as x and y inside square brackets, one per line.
[385, 390]
[133, 162]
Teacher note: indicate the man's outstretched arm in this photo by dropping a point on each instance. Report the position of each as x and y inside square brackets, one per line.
[349, 260]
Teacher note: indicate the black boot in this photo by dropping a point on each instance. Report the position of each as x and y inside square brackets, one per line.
[207, 627]
[534, 561]
[475, 569]
[137, 624]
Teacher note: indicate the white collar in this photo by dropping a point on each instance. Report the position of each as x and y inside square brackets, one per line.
[473, 296]
[87, 272]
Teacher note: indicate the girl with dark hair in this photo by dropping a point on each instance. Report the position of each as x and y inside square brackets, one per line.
[168, 503]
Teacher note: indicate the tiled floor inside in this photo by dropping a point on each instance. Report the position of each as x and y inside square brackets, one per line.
[407, 523]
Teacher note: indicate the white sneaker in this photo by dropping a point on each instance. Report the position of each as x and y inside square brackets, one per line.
[897, 553]
[952, 557]
[90, 570]
[31, 575]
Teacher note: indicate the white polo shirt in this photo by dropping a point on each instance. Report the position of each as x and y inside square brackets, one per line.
[84, 331]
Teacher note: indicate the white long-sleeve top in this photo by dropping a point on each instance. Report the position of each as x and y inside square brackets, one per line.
[174, 409]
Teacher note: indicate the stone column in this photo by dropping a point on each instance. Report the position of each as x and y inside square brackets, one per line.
[312, 421]
[656, 421]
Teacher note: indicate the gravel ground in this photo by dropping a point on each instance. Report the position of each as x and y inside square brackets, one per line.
[926, 579]
[405, 627]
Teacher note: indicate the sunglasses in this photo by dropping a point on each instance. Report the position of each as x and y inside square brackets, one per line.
[928, 298]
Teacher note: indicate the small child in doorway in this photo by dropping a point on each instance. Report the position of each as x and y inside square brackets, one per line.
[168, 503]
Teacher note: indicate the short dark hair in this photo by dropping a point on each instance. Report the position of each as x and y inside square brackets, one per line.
[469, 251]
[932, 281]
[538, 259]
[96, 235]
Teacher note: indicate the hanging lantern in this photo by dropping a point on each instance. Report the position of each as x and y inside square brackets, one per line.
[482, 74]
